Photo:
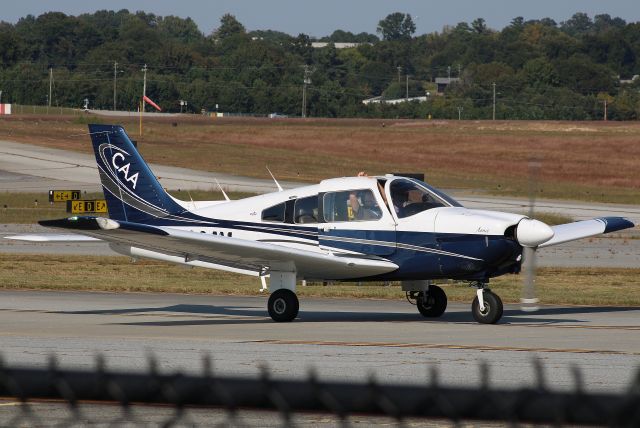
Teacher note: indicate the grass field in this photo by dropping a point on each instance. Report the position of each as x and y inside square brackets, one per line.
[591, 161]
[555, 286]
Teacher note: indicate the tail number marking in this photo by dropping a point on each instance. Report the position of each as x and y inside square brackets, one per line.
[133, 179]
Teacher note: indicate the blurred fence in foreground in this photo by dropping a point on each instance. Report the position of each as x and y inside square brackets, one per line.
[178, 395]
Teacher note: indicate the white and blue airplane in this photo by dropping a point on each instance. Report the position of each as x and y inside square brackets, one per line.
[385, 228]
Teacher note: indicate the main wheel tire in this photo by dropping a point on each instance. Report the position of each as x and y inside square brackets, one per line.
[436, 302]
[492, 308]
[283, 305]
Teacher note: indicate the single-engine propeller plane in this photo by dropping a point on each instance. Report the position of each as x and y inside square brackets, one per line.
[384, 228]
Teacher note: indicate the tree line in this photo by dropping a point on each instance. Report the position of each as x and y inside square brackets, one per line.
[537, 69]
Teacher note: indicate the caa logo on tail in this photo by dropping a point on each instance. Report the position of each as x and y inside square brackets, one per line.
[113, 156]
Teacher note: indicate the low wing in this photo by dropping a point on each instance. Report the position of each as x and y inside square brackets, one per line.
[587, 228]
[241, 253]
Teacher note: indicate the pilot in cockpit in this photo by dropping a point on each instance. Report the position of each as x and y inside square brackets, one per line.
[364, 206]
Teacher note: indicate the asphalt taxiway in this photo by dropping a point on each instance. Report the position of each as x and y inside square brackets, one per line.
[340, 338]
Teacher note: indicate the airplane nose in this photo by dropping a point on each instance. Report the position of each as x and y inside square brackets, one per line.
[531, 233]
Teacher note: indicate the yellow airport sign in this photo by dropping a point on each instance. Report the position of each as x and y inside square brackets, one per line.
[87, 206]
[64, 195]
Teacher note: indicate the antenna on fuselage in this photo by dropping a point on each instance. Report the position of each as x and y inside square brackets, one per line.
[222, 190]
[274, 179]
[192, 203]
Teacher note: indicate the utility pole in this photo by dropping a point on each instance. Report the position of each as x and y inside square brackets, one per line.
[50, 86]
[605, 110]
[460, 113]
[407, 87]
[494, 100]
[115, 74]
[144, 87]
[306, 81]
[399, 72]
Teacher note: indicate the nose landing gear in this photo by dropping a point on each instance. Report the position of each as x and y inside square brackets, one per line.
[487, 306]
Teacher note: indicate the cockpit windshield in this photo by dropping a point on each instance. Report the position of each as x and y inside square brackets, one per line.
[410, 196]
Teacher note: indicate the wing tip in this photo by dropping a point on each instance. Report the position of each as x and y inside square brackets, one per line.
[614, 224]
[78, 223]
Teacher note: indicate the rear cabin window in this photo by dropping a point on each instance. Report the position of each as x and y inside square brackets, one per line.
[350, 205]
[306, 210]
[274, 213]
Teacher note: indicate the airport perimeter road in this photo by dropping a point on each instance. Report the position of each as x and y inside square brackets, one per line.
[342, 339]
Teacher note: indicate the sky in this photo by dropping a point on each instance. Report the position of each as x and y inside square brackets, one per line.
[321, 17]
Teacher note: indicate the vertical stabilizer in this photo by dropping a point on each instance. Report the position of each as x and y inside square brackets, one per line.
[132, 191]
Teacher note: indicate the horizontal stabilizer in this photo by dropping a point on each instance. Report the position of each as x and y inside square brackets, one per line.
[587, 228]
[52, 237]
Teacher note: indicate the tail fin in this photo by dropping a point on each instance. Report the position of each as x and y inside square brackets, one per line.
[131, 190]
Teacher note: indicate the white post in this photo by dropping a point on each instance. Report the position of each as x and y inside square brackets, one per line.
[50, 88]
[407, 87]
[144, 87]
[115, 74]
[494, 101]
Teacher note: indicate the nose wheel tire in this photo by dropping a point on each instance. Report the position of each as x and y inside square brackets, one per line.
[283, 305]
[434, 305]
[492, 308]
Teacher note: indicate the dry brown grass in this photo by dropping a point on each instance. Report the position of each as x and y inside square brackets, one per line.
[597, 287]
[581, 160]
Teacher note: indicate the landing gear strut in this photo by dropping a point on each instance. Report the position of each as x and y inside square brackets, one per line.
[432, 303]
[283, 305]
[486, 307]
[430, 299]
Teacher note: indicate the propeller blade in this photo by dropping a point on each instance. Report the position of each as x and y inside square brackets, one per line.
[529, 302]
[534, 233]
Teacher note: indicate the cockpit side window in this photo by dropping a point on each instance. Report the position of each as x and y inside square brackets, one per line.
[275, 213]
[408, 198]
[350, 205]
[306, 210]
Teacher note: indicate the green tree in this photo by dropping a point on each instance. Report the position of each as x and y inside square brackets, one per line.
[579, 24]
[479, 25]
[397, 26]
[229, 26]
[539, 73]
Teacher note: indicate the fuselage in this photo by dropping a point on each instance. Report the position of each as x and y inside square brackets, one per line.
[426, 233]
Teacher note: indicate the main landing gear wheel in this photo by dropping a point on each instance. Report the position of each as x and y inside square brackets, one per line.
[492, 308]
[434, 305]
[283, 305]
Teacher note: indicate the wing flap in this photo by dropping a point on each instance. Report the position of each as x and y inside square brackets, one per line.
[226, 250]
[587, 228]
